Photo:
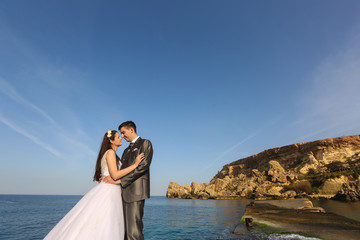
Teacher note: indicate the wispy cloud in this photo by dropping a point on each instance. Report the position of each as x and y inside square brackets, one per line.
[57, 79]
[42, 72]
[8, 90]
[332, 103]
[61, 135]
[31, 137]
[235, 146]
[315, 133]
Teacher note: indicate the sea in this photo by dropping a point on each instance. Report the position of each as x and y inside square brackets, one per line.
[26, 217]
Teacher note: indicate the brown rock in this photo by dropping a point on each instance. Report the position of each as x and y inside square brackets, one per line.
[187, 188]
[210, 189]
[289, 194]
[247, 192]
[276, 172]
[195, 188]
[296, 156]
[349, 191]
[256, 173]
[176, 191]
[274, 191]
[264, 174]
[219, 184]
[332, 186]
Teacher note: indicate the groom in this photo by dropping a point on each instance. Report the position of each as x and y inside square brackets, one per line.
[135, 185]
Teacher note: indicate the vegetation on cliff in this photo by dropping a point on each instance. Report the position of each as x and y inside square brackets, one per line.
[322, 168]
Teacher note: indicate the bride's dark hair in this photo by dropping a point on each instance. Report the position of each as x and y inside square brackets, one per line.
[105, 145]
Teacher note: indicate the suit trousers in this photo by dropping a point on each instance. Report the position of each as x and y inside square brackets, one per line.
[133, 213]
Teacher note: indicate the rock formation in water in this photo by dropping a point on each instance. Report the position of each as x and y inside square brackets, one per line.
[322, 168]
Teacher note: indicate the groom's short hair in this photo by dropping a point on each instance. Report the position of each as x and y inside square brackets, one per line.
[128, 124]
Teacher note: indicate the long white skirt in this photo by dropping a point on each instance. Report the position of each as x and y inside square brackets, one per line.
[98, 215]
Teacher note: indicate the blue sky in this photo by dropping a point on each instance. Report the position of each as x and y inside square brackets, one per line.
[208, 82]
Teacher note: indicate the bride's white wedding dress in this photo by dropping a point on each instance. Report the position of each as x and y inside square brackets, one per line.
[98, 215]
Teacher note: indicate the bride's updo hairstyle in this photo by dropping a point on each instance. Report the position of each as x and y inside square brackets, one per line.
[105, 145]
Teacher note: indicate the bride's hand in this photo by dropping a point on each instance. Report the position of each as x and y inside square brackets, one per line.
[139, 158]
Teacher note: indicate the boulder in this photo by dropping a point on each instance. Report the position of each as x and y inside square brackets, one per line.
[349, 191]
[308, 162]
[332, 186]
[210, 190]
[187, 188]
[247, 192]
[195, 188]
[289, 194]
[203, 195]
[177, 191]
[276, 172]
[256, 173]
[220, 184]
[274, 191]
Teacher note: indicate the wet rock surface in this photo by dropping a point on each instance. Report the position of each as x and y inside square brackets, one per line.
[300, 216]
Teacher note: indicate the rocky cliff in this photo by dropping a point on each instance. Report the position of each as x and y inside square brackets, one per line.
[320, 168]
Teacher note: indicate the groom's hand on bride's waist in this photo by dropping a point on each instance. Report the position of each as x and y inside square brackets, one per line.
[108, 179]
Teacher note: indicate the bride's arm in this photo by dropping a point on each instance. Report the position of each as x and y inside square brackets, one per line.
[112, 165]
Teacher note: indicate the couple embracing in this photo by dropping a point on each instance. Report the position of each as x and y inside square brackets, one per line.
[110, 211]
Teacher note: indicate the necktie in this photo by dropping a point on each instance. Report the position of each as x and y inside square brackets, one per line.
[131, 144]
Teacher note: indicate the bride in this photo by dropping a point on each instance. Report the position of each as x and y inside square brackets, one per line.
[99, 214]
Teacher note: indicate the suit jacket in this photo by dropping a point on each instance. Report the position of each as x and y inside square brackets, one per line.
[136, 184]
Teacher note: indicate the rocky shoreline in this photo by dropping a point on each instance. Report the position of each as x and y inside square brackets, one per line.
[298, 216]
[327, 168]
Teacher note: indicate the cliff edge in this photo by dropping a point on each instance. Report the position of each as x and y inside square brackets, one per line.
[324, 168]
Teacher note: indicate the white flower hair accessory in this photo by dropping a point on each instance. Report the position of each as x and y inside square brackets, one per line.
[109, 134]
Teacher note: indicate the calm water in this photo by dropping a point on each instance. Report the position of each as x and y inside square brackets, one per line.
[33, 216]
[347, 209]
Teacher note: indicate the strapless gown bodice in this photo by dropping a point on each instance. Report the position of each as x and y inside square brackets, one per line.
[104, 167]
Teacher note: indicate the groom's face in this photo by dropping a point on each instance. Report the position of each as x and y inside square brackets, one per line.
[127, 133]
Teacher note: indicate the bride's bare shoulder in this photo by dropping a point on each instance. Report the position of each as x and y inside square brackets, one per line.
[110, 154]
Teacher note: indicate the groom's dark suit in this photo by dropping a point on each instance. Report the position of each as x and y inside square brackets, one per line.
[136, 187]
